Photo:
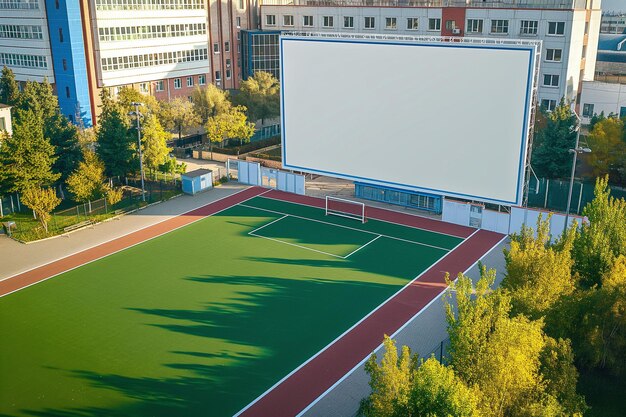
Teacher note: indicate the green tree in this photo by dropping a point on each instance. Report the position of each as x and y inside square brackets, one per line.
[42, 201]
[231, 124]
[437, 391]
[154, 140]
[608, 146]
[117, 144]
[595, 119]
[64, 137]
[27, 156]
[179, 114]
[260, 94]
[551, 157]
[538, 273]
[601, 239]
[171, 166]
[390, 382]
[86, 182]
[128, 95]
[9, 90]
[209, 102]
[40, 99]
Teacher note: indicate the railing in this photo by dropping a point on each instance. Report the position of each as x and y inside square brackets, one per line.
[506, 4]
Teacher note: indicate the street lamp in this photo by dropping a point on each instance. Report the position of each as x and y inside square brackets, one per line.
[577, 149]
[138, 115]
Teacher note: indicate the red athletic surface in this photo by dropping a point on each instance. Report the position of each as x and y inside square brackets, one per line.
[309, 382]
[43, 272]
[312, 380]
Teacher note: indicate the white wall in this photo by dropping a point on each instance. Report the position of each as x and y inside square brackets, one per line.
[605, 97]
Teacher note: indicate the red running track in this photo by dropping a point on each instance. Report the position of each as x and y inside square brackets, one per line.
[305, 385]
[41, 273]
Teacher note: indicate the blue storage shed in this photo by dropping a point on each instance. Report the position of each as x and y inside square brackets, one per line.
[197, 180]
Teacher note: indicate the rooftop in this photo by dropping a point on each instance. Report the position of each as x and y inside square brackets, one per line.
[502, 4]
[197, 173]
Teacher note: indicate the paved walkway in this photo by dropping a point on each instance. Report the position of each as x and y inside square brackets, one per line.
[16, 257]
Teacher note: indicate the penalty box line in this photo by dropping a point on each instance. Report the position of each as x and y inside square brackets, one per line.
[254, 233]
[351, 228]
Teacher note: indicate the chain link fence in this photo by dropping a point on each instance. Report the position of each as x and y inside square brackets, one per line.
[20, 223]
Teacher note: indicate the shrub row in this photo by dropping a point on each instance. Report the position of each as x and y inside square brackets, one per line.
[248, 147]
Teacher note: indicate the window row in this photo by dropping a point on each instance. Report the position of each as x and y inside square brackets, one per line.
[498, 26]
[149, 4]
[20, 32]
[19, 4]
[24, 61]
[123, 33]
[160, 85]
[149, 60]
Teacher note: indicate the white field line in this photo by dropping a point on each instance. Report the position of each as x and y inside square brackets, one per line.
[121, 236]
[298, 246]
[358, 249]
[265, 225]
[358, 365]
[350, 329]
[381, 220]
[350, 228]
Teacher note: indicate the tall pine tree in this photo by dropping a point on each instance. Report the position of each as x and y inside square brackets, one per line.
[9, 91]
[116, 144]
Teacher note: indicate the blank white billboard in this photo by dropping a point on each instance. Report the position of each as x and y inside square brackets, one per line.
[442, 118]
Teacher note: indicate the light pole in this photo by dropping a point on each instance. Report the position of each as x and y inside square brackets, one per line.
[577, 149]
[138, 115]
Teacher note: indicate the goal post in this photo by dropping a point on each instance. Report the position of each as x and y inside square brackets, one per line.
[345, 208]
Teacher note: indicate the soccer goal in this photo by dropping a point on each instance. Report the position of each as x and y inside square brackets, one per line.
[345, 208]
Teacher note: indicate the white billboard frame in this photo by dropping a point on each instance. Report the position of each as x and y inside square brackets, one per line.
[531, 46]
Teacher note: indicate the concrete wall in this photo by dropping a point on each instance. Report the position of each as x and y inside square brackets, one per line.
[605, 97]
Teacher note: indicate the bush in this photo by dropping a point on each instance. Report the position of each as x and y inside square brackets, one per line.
[248, 147]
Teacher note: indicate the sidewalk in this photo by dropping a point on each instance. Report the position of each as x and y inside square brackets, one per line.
[17, 257]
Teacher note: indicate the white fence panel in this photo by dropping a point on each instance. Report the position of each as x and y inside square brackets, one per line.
[456, 212]
[292, 183]
[496, 221]
[299, 186]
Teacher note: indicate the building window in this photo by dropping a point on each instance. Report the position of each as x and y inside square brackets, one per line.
[587, 110]
[328, 21]
[216, 48]
[23, 61]
[391, 23]
[554, 55]
[450, 24]
[548, 105]
[189, 81]
[238, 35]
[64, 64]
[202, 79]
[348, 22]
[412, 23]
[147, 5]
[499, 26]
[434, 24]
[228, 74]
[307, 20]
[67, 92]
[238, 21]
[159, 85]
[241, 7]
[61, 35]
[550, 80]
[474, 26]
[288, 20]
[218, 75]
[177, 84]
[370, 22]
[228, 63]
[556, 28]
[270, 20]
[227, 46]
[3, 124]
[56, 4]
[125, 33]
[529, 27]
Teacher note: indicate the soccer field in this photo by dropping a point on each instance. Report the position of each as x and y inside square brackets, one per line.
[202, 320]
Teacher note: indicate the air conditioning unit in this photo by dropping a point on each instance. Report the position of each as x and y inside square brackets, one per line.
[456, 31]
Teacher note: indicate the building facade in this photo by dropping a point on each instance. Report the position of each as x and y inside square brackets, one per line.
[614, 23]
[160, 47]
[568, 28]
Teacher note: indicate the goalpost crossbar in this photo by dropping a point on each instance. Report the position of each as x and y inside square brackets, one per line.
[342, 207]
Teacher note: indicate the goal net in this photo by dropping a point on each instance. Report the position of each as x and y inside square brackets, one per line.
[345, 208]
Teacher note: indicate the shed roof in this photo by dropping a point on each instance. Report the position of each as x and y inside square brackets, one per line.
[197, 173]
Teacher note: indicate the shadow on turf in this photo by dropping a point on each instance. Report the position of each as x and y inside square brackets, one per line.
[284, 320]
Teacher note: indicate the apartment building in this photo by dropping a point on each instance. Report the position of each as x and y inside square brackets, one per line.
[161, 47]
[568, 28]
[614, 23]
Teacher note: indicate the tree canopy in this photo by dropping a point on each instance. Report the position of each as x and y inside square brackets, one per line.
[9, 90]
[260, 94]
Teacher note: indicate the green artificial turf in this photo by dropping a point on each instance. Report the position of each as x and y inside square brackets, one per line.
[202, 320]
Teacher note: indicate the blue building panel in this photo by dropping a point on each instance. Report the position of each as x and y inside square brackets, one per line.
[70, 62]
[399, 197]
